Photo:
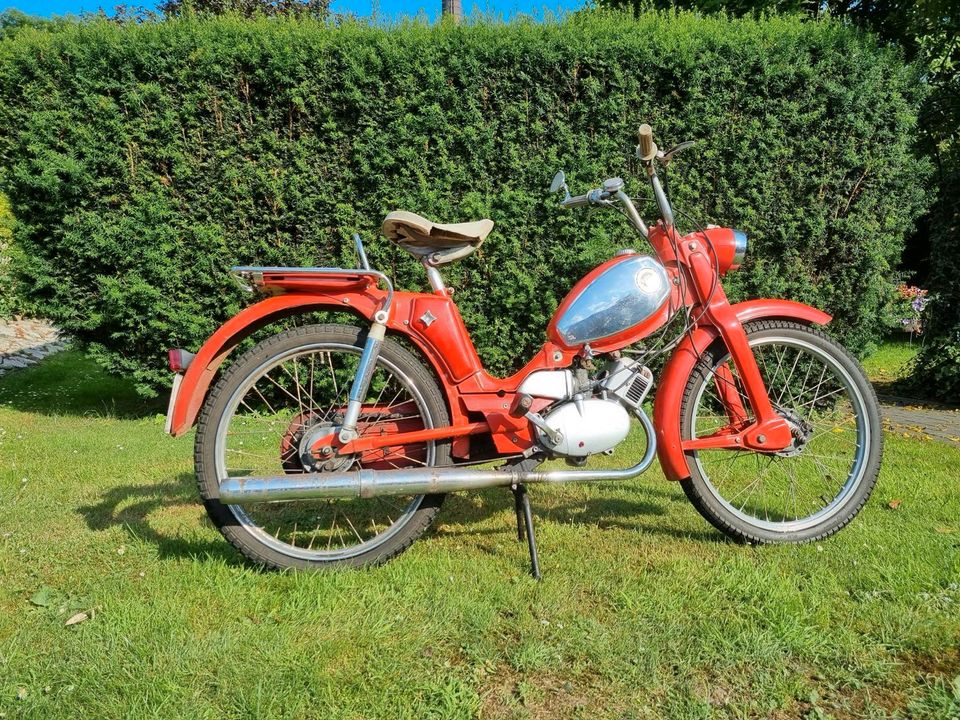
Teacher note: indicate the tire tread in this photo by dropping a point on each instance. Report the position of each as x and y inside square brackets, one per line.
[704, 503]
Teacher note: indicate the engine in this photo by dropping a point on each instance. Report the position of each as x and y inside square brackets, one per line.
[592, 415]
[585, 427]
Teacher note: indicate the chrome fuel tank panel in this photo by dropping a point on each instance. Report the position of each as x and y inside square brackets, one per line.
[622, 296]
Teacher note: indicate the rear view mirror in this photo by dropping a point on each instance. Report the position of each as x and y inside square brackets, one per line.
[559, 181]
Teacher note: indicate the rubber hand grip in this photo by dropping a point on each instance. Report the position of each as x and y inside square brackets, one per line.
[646, 150]
[576, 201]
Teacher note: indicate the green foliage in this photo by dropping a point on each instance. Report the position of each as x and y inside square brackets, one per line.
[144, 160]
[13, 21]
[938, 370]
[928, 31]
[8, 302]
[248, 8]
[909, 23]
[736, 8]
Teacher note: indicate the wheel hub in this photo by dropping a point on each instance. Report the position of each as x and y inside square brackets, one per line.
[800, 432]
[324, 459]
[297, 447]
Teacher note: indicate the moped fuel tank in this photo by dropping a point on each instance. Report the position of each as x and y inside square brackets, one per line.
[615, 305]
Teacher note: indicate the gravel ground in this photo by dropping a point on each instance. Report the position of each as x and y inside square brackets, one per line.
[25, 342]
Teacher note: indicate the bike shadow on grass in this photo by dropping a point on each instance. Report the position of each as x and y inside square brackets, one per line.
[159, 513]
[150, 513]
[468, 514]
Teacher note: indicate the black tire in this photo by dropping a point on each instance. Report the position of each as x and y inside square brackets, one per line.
[227, 518]
[722, 513]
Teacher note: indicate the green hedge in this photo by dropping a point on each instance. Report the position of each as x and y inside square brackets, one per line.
[937, 370]
[7, 302]
[143, 160]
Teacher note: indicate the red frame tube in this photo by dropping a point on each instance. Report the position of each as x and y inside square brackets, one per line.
[471, 391]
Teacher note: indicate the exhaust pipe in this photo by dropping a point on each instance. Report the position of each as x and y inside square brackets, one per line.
[412, 481]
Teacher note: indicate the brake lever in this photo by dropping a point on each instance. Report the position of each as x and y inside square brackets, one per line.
[600, 198]
[666, 157]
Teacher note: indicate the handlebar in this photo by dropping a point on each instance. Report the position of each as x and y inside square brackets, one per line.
[576, 201]
[597, 196]
[647, 149]
[613, 188]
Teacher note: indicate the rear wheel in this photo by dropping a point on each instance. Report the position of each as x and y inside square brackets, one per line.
[812, 488]
[265, 416]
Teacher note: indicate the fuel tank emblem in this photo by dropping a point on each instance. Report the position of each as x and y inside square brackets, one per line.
[648, 281]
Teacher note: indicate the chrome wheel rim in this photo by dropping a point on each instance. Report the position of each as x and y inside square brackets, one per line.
[395, 512]
[829, 465]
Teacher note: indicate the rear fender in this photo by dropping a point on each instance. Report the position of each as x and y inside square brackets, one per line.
[203, 368]
[673, 380]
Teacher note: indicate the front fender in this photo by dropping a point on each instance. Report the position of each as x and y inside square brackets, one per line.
[673, 380]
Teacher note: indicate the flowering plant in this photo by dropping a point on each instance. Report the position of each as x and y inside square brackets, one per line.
[906, 307]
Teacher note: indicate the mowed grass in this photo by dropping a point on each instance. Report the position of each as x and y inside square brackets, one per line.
[891, 361]
[644, 611]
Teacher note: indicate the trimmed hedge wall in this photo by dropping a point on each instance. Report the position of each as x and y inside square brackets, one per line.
[143, 160]
[8, 302]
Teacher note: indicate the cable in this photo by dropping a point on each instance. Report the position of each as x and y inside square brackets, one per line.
[689, 321]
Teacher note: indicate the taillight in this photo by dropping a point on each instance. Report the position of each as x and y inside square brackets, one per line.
[179, 359]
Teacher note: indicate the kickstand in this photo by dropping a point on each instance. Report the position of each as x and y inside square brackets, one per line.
[521, 503]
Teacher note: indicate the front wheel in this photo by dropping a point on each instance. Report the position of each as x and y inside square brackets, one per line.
[814, 487]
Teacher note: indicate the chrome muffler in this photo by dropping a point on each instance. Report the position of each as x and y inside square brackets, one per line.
[412, 481]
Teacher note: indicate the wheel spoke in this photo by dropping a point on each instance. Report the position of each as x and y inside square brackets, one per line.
[810, 479]
[281, 409]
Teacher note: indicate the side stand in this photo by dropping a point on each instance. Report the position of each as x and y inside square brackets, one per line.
[521, 503]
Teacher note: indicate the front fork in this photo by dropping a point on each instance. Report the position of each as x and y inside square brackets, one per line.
[769, 432]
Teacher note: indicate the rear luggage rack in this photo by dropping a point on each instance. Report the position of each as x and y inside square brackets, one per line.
[315, 279]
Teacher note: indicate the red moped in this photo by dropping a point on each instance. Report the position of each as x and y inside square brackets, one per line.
[335, 444]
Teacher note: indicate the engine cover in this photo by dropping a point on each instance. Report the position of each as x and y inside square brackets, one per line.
[595, 426]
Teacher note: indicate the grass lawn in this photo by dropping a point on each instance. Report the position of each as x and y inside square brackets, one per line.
[644, 610]
[891, 361]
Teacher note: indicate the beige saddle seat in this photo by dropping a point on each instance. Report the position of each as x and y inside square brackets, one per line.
[438, 244]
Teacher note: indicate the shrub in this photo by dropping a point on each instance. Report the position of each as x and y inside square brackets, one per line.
[904, 308]
[8, 303]
[937, 370]
[144, 160]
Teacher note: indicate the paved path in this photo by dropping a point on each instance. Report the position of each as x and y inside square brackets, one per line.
[917, 419]
[25, 342]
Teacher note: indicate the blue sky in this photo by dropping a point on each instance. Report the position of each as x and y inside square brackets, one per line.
[385, 8]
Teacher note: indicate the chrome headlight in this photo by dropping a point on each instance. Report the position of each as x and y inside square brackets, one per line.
[739, 248]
